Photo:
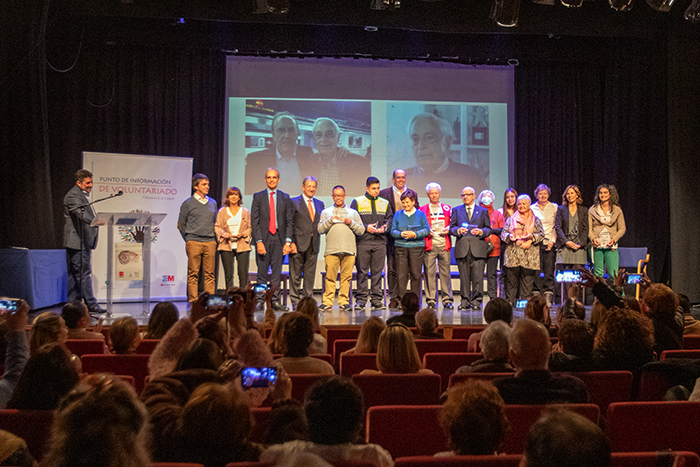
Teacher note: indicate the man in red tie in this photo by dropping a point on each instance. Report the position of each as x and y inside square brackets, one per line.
[305, 241]
[272, 219]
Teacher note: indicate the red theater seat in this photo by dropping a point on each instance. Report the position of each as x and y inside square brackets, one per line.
[33, 426]
[654, 426]
[446, 363]
[406, 430]
[401, 389]
[300, 383]
[606, 387]
[353, 364]
[456, 379]
[82, 347]
[147, 346]
[511, 460]
[691, 354]
[132, 365]
[691, 342]
[440, 345]
[340, 346]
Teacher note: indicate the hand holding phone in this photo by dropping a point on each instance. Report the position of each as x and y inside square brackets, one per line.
[634, 279]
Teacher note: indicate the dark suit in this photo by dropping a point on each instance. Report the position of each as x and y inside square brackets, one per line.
[470, 251]
[77, 252]
[260, 220]
[561, 226]
[258, 162]
[388, 194]
[306, 239]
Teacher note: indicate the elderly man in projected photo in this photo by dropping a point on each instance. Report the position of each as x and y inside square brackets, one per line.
[291, 159]
[333, 163]
[431, 138]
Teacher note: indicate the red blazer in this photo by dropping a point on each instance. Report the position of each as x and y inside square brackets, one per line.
[446, 209]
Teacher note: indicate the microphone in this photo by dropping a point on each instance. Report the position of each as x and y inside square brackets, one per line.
[120, 193]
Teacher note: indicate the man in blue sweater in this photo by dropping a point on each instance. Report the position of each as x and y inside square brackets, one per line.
[196, 225]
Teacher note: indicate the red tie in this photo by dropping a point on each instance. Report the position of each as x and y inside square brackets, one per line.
[273, 218]
[311, 211]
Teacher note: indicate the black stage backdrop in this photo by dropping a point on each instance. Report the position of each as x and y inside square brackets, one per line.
[588, 111]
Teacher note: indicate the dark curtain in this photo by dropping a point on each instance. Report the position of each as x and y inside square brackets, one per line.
[588, 123]
[63, 94]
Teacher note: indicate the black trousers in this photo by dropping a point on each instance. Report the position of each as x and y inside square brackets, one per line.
[521, 278]
[492, 276]
[409, 264]
[243, 260]
[370, 259]
[80, 281]
[471, 279]
[273, 260]
[302, 263]
[547, 260]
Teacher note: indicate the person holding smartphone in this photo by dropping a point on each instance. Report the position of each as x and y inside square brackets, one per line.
[607, 226]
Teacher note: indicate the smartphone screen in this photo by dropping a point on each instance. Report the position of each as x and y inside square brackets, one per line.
[215, 300]
[568, 276]
[252, 377]
[521, 304]
[261, 287]
[634, 278]
[9, 305]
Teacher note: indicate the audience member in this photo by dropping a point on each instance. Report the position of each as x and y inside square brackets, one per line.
[574, 350]
[691, 325]
[427, 324]
[124, 334]
[15, 352]
[334, 411]
[537, 309]
[48, 376]
[368, 339]
[100, 423]
[561, 437]
[287, 423]
[410, 304]
[397, 353]
[494, 346]
[496, 309]
[474, 419]
[633, 304]
[598, 314]
[202, 353]
[308, 307]
[298, 336]
[666, 316]
[75, 315]
[533, 382]
[47, 328]
[15, 451]
[571, 308]
[276, 340]
[163, 317]
[624, 341]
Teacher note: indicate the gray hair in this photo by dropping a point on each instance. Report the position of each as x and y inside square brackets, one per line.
[432, 185]
[484, 193]
[523, 196]
[324, 119]
[426, 320]
[309, 178]
[444, 125]
[494, 340]
[279, 115]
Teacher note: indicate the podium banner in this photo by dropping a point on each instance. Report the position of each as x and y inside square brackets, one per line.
[154, 184]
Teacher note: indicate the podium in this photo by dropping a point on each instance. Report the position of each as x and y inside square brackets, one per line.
[144, 221]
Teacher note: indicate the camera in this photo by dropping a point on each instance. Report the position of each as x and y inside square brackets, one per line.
[9, 305]
[264, 377]
[215, 300]
[568, 276]
[634, 279]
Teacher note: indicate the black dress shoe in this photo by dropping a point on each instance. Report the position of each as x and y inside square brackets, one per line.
[431, 304]
[448, 305]
[98, 310]
[476, 306]
[377, 306]
[279, 307]
[323, 307]
[464, 307]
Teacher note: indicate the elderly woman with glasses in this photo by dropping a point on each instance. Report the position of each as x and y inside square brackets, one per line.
[522, 233]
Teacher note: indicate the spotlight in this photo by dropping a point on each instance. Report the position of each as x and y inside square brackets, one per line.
[621, 5]
[660, 5]
[692, 14]
[505, 12]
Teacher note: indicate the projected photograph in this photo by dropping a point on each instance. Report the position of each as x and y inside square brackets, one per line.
[444, 143]
[329, 139]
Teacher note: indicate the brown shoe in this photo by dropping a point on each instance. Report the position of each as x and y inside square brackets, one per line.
[394, 304]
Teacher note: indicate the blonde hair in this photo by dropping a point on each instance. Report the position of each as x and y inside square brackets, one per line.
[396, 351]
[368, 339]
[46, 329]
[276, 341]
[124, 333]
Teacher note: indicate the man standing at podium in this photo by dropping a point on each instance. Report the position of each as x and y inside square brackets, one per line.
[196, 225]
[79, 239]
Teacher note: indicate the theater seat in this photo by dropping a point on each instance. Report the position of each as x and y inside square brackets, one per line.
[654, 426]
[33, 426]
[353, 364]
[300, 384]
[132, 365]
[406, 430]
[511, 460]
[147, 346]
[82, 347]
[606, 387]
[653, 459]
[691, 354]
[392, 389]
[460, 378]
[446, 363]
[340, 346]
[440, 345]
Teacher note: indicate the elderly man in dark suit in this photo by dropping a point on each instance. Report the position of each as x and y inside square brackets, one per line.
[272, 219]
[304, 249]
[470, 224]
[291, 159]
[79, 239]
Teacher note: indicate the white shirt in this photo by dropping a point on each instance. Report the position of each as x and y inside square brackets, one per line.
[547, 216]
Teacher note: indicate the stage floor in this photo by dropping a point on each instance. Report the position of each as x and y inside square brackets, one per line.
[333, 317]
